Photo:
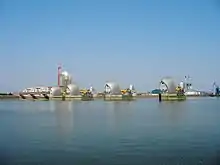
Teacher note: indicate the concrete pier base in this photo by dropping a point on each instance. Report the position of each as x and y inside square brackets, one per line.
[172, 97]
[118, 97]
[46, 98]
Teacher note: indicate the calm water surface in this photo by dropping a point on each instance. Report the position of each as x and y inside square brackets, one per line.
[98, 132]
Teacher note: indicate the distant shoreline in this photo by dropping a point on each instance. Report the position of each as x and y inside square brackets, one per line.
[4, 96]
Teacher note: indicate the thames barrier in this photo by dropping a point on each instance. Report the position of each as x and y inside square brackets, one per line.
[66, 89]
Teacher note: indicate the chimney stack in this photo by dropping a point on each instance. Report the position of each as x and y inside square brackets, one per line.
[58, 74]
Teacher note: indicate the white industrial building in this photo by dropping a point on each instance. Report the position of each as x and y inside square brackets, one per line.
[65, 82]
[168, 85]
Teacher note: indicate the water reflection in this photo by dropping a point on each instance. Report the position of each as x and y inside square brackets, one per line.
[173, 112]
[64, 116]
[109, 132]
[119, 115]
[26, 104]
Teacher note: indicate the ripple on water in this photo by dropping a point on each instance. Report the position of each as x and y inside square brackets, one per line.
[99, 133]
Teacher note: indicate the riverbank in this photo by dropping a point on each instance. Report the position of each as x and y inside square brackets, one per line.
[98, 96]
[8, 96]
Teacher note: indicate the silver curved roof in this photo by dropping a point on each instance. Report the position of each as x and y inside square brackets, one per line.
[73, 89]
[112, 88]
[169, 84]
[55, 91]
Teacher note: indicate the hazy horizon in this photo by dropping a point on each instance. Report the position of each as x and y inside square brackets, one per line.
[129, 42]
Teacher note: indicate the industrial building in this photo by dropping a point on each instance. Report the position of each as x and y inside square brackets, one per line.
[65, 85]
[188, 88]
[168, 85]
[113, 89]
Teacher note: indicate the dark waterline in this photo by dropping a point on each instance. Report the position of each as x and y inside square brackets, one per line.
[109, 133]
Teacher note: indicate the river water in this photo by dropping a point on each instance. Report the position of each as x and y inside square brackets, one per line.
[109, 133]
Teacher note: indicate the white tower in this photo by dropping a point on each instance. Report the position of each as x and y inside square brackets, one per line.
[182, 85]
[188, 84]
[91, 89]
[131, 87]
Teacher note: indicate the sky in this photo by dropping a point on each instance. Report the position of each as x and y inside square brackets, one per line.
[126, 41]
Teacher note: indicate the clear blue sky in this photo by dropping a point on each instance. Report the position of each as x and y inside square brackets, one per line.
[136, 41]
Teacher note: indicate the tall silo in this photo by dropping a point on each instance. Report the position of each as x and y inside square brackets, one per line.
[66, 79]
